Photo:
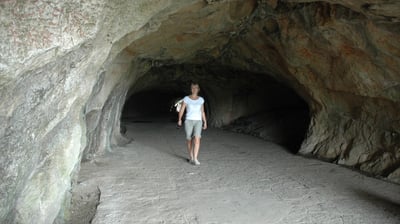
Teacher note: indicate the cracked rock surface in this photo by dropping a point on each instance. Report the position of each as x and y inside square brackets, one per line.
[67, 67]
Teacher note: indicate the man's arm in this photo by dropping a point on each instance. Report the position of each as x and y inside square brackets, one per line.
[203, 115]
[180, 115]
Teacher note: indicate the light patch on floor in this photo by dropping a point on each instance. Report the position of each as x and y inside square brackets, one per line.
[241, 179]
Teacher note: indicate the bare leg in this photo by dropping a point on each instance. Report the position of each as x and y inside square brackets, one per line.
[196, 147]
[190, 149]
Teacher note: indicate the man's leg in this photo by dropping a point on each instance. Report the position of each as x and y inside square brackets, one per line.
[189, 131]
[196, 141]
[196, 147]
[190, 149]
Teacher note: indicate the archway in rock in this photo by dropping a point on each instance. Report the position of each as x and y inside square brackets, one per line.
[66, 73]
[237, 100]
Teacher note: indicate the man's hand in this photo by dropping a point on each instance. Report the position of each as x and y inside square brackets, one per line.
[180, 123]
[204, 126]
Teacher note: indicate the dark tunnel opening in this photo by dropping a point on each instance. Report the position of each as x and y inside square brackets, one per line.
[239, 101]
[151, 105]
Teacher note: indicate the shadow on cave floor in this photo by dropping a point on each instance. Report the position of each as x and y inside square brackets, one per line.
[170, 117]
[284, 127]
[241, 179]
[385, 202]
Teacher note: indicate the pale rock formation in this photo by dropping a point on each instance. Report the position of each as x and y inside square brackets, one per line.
[66, 68]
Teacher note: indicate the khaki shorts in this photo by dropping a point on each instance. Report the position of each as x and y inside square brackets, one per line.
[193, 128]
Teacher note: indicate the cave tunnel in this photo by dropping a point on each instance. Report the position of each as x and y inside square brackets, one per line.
[302, 100]
[236, 100]
[150, 105]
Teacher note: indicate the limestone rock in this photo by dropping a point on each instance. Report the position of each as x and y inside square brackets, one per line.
[395, 176]
[66, 68]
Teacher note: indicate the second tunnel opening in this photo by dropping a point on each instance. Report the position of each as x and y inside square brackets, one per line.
[236, 100]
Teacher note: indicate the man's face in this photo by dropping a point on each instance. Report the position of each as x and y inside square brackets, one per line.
[195, 89]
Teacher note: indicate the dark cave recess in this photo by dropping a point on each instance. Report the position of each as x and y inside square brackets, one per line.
[240, 101]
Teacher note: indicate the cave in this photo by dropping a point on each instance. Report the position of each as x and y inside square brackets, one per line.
[302, 99]
[236, 100]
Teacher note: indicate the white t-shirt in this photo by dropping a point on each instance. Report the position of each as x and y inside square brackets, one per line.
[193, 108]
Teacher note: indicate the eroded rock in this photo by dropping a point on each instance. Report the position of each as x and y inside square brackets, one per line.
[66, 69]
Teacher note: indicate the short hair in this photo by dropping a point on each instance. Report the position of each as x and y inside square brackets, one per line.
[194, 83]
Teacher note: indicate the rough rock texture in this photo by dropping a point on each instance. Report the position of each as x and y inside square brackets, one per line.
[347, 63]
[67, 66]
[84, 201]
[52, 56]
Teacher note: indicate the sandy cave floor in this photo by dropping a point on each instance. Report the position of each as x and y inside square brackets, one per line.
[241, 179]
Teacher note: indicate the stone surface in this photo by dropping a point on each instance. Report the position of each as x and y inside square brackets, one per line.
[50, 64]
[241, 179]
[66, 68]
[84, 201]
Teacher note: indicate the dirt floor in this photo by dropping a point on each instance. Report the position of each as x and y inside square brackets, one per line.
[241, 179]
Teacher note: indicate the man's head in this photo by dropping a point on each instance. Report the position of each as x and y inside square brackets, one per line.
[195, 88]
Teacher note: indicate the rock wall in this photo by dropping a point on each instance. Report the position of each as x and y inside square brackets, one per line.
[345, 63]
[52, 56]
[341, 57]
[66, 67]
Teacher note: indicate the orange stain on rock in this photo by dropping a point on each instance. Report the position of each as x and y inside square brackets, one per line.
[305, 53]
[179, 38]
[130, 51]
[347, 50]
